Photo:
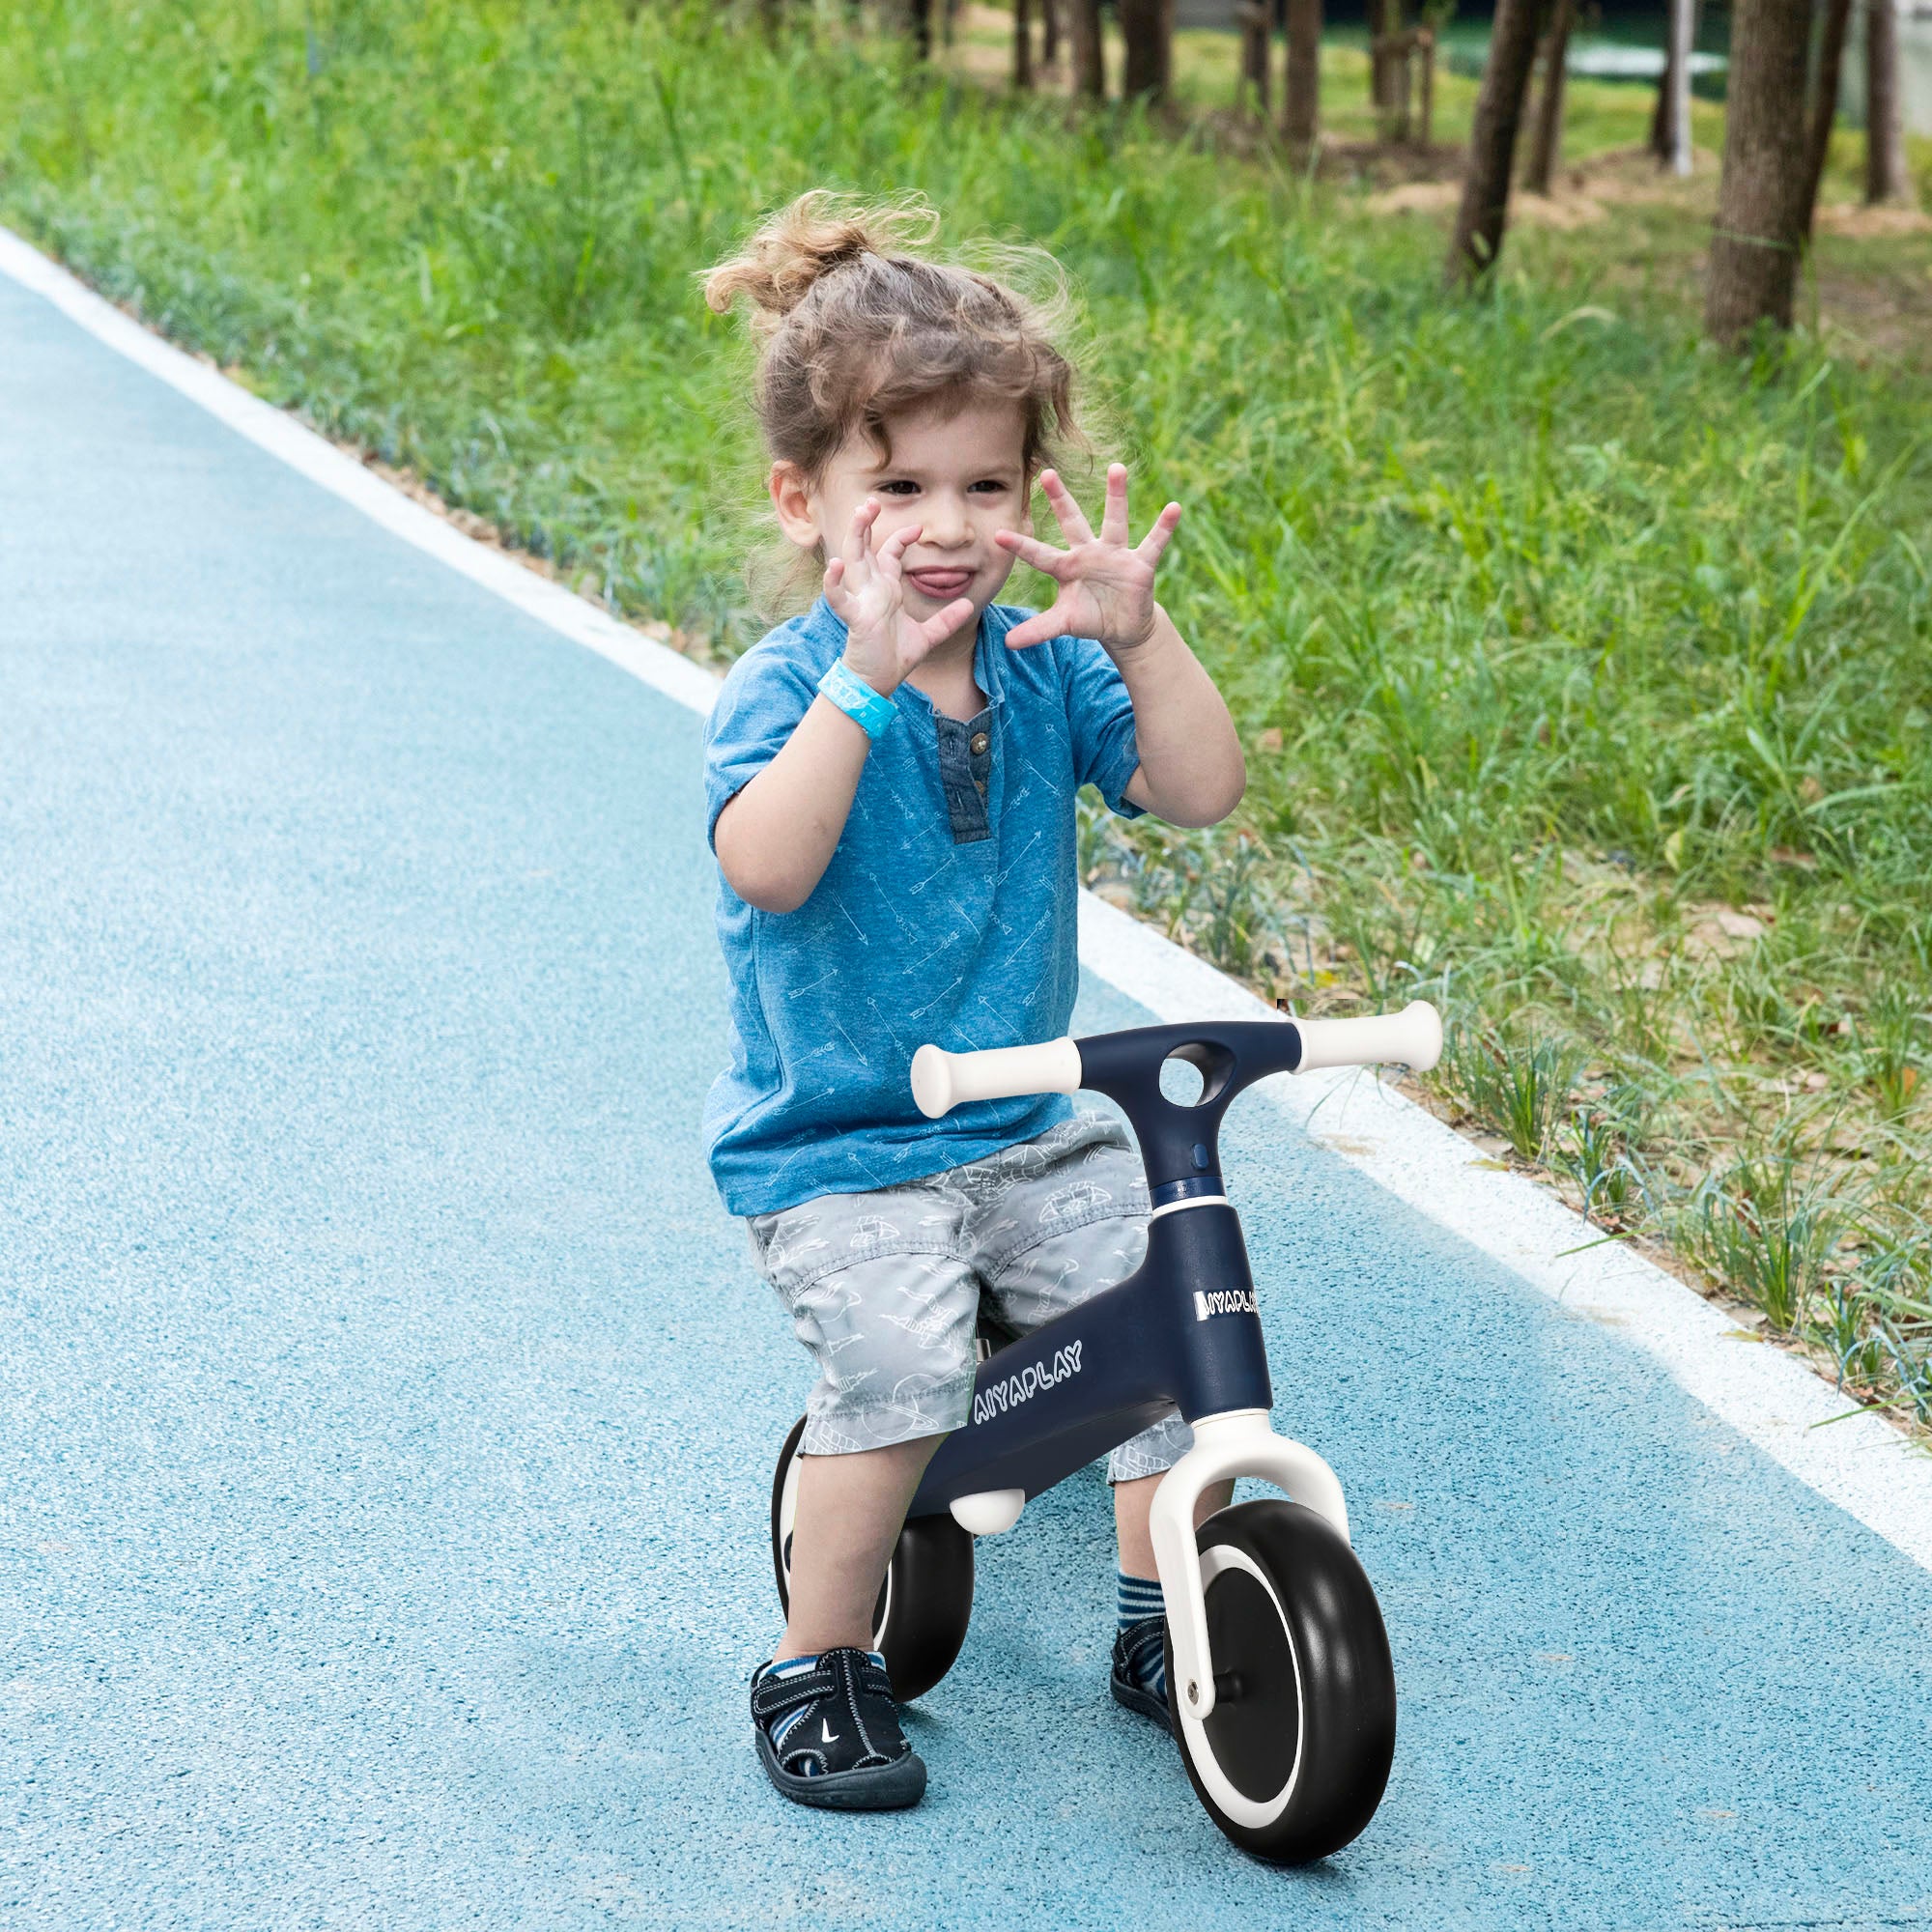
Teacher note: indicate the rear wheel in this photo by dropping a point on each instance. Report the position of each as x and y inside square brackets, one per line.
[1296, 1756]
[927, 1600]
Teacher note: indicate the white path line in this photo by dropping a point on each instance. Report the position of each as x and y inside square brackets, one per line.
[323, 463]
[1861, 1463]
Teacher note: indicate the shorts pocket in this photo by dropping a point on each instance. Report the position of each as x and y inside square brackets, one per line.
[1096, 1180]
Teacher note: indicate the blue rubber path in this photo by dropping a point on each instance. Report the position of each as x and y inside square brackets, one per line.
[386, 1406]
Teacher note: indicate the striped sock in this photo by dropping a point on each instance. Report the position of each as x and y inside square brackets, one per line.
[1136, 1598]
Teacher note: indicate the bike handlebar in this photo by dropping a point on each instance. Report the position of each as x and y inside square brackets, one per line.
[1412, 1036]
[941, 1081]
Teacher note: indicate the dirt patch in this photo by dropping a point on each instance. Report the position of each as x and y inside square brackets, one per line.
[1635, 175]
[1416, 198]
[1434, 197]
[1860, 223]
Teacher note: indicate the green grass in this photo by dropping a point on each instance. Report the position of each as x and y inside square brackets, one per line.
[1586, 673]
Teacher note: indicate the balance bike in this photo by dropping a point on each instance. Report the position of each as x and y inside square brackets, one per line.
[1280, 1687]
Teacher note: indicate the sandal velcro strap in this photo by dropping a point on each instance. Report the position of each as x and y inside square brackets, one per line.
[836, 1717]
[772, 1698]
[1136, 1645]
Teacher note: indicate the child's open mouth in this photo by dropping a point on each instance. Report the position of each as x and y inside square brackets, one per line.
[940, 584]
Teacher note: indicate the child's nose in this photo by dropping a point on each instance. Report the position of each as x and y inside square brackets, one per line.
[945, 525]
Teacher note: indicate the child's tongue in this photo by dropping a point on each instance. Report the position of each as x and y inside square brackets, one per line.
[940, 583]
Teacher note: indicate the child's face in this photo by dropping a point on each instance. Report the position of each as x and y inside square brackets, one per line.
[957, 478]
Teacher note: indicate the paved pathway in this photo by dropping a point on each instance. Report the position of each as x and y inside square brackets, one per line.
[387, 1405]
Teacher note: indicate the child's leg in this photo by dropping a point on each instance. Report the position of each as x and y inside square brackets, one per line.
[1133, 1499]
[1139, 1676]
[849, 1512]
[886, 1310]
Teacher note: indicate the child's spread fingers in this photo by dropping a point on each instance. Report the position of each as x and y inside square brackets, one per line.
[1157, 539]
[936, 630]
[1030, 550]
[835, 575]
[1066, 513]
[1113, 517]
[1037, 630]
[892, 552]
[862, 520]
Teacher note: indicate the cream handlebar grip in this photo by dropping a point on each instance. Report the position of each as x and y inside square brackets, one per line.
[1413, 1037]
[941, 1081]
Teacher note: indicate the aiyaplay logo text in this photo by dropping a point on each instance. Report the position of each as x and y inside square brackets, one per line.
[1223, 1302]
[996, 1398]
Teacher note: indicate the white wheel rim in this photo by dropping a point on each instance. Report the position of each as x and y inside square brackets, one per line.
[1251, 1812]
[787, 1519]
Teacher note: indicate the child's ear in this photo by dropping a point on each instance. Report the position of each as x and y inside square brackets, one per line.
[792, 499]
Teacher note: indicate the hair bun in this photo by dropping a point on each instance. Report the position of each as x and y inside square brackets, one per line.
[800, 245]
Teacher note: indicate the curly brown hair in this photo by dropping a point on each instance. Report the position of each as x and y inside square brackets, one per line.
[853, 329]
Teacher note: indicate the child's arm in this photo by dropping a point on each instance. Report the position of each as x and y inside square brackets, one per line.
[1191, 769]
[775, 838]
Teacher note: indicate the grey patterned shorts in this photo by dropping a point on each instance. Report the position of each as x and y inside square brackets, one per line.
[884, 1289]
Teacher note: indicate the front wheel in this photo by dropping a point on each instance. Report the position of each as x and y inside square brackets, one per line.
[1294, 1757]
[925, 1603]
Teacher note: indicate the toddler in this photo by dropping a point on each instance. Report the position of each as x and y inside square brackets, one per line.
[891, 783]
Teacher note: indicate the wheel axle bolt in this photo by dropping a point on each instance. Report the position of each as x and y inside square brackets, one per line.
[1193, 1691]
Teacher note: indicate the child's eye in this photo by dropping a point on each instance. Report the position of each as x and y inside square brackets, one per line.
[992, 486]
[898, 487]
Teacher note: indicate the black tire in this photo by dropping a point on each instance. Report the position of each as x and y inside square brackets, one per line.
[1296, 1756]
[925, 1602]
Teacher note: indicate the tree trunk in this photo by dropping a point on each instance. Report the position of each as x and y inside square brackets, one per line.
[1090, 52]
[918, 20]
[1022, 44]
[1485, 205]
[1386, 28]
[1302, 108]
[1663, 117]
[1760, 224]
[1255, 37]
[1885, 107]
[1546, 145]
[1663, 132]
[1824, 102]
[1147, 28]
[1424, 41]
[1049, 32]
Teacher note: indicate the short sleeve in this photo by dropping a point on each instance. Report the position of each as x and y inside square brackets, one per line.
[1106, 752]
[762, 700]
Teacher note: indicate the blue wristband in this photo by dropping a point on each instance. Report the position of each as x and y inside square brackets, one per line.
[857, 698]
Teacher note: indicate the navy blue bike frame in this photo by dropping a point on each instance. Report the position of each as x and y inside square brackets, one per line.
[1181, 1332]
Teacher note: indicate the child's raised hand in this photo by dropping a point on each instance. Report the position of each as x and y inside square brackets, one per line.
[1106, 585]
[865, 587]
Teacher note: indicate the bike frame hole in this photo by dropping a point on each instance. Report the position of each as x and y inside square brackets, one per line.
[1182, 1082]
[1193, 1074]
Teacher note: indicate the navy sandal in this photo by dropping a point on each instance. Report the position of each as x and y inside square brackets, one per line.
[1135, 1649]
[829, 1735]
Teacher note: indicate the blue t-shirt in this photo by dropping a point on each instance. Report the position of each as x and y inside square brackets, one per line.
[946, 914]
